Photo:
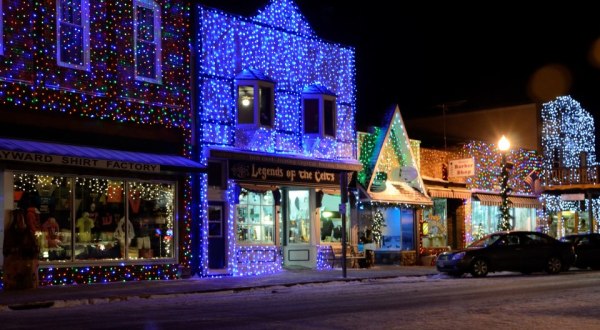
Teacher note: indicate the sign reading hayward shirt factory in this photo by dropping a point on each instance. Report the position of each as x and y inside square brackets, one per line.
[280, 173]
[77, 161]
[461, 168]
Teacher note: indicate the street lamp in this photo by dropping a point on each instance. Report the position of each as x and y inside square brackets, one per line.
[504, 222]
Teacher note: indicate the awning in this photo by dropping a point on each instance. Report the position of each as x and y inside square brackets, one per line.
[13, 150]
[513, 201]
[284, 159]
[449, 193]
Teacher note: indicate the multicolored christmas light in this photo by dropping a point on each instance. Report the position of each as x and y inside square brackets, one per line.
[31, 79]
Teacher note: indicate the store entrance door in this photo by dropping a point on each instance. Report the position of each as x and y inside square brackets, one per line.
[216, 239]
[298, 250]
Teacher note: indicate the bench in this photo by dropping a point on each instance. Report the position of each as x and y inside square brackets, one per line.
[353, 258]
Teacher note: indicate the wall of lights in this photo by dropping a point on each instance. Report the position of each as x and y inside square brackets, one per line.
[280, 44]
[567, 131]
[31, 79]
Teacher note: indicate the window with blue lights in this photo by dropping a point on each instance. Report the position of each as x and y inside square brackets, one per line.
[147, 41]
[255, 100]
[73, 34]
[319, 111]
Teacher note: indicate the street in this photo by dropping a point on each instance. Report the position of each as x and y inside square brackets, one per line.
[500, 301]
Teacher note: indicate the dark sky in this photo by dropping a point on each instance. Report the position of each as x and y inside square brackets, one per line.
[480, 56]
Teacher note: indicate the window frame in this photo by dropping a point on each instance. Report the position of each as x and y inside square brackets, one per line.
[323, 130]
[85, 25]
[257, 86]
[156, 9]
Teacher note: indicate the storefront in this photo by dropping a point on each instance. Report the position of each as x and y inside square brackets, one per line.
[485, 213]
[276, 212]
[99, 215]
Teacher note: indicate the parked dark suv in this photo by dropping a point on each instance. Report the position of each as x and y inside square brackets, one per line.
[522, 251]
[587, 249]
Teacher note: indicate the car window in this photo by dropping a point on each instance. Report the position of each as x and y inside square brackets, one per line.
[535, 240]
[584, 241]
[513, 240]
[486, 241]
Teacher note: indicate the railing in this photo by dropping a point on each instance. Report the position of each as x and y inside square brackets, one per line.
[571, 176]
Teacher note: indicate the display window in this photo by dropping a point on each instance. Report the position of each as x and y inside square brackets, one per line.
[255, 218]
[434, 227]
[89, 218]
[331, 219]
[485, 219]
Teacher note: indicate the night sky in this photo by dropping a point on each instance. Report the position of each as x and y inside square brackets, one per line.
[473, 57]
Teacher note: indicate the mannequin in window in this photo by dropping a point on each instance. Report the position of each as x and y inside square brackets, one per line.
[51, 230]
[120, 234]
[84, 227]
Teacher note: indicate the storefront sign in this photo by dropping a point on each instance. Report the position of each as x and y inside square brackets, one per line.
[281, 173]
[77, 161]
[461, 167]
[572, 197]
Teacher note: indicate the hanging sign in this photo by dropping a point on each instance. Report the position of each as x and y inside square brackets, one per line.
[572, 197]
[461, 167]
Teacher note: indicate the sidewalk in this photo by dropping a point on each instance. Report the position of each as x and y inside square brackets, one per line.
[55, 296]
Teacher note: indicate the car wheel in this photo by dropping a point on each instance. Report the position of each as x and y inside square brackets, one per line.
[553, 265]
[479, 268]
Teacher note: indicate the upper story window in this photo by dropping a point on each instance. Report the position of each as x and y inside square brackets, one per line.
[73, 34]
[320, 111]
[255, 100]
[147, 42]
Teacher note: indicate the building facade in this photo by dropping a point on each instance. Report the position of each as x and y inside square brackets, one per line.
[464, 177]
[95, 136]
[275, 120]
[392, 195]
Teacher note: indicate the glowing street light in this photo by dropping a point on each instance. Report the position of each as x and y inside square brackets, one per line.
[504, 221]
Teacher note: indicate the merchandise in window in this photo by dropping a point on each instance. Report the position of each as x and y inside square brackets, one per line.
[331, 219]
[255, 218]
[81, 218]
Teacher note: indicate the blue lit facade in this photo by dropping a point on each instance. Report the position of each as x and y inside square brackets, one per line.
[275, 121]
[569, 173]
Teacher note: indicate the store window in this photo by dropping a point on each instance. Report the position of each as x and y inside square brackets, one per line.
[298, 216]
[434, 228]
[255, 218]
[147, 41]
[331, 219]
[73, 34]
[85, 218]
[485, 219]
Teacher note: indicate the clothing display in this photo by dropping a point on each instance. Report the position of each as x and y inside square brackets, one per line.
[51, 231]
[120, 231]
[84, 227]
